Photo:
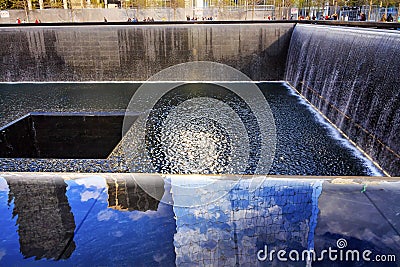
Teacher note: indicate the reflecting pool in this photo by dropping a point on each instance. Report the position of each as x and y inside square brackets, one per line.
[192, 128]
[153, 220]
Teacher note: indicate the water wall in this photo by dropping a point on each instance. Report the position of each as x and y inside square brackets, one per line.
[352, 77]
[136, 52]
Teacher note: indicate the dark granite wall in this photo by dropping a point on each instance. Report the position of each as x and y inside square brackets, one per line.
[62, 136]
[136, 52]
[352, 76]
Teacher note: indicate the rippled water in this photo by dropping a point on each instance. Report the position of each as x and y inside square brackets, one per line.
[197, 128]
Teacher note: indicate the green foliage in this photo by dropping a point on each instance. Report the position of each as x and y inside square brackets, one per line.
[157, 3]
[177, 3]
[53, 3]
[321, 3]
[18, 4]
[5, 4]
[138, 3]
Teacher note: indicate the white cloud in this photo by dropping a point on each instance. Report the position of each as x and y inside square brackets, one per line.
[3, 185]
[106, 215]
[159, 258]
[85, 196]
[163, 210]
[136, 215]
[92, 181]
[2, 253]
[117, 233]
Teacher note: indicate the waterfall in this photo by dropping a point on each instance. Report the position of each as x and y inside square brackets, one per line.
[352, 76]
[136, 52]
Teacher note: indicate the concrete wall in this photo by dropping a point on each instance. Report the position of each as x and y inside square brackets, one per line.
[136, 52]
[95, 15]
[119, 15]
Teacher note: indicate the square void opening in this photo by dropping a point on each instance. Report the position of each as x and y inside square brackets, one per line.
[62, 135]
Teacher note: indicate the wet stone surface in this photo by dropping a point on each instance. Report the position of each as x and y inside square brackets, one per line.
[111, 220]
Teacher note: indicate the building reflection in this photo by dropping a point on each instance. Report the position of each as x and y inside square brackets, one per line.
[45, 222]
[126, 194]
[232, 229]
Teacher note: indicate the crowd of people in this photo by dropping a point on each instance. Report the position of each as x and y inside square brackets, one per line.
[361, 17]
[135, 19]
[389, 18]
[151, 19]
[19, 21]
[196, 18]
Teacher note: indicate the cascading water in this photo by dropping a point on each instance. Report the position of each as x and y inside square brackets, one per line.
[135, 53]
[352, 77]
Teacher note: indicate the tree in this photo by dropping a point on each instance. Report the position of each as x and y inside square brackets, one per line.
[174, 4]
[25, 5]
[5, 4]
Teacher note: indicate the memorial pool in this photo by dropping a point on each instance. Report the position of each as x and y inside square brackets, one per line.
[304, 144]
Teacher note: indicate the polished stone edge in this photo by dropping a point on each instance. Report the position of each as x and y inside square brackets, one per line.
[360, 24]
[345, 180]
[155, 23]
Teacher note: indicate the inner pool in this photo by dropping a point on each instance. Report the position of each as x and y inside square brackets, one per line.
[194, 128]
